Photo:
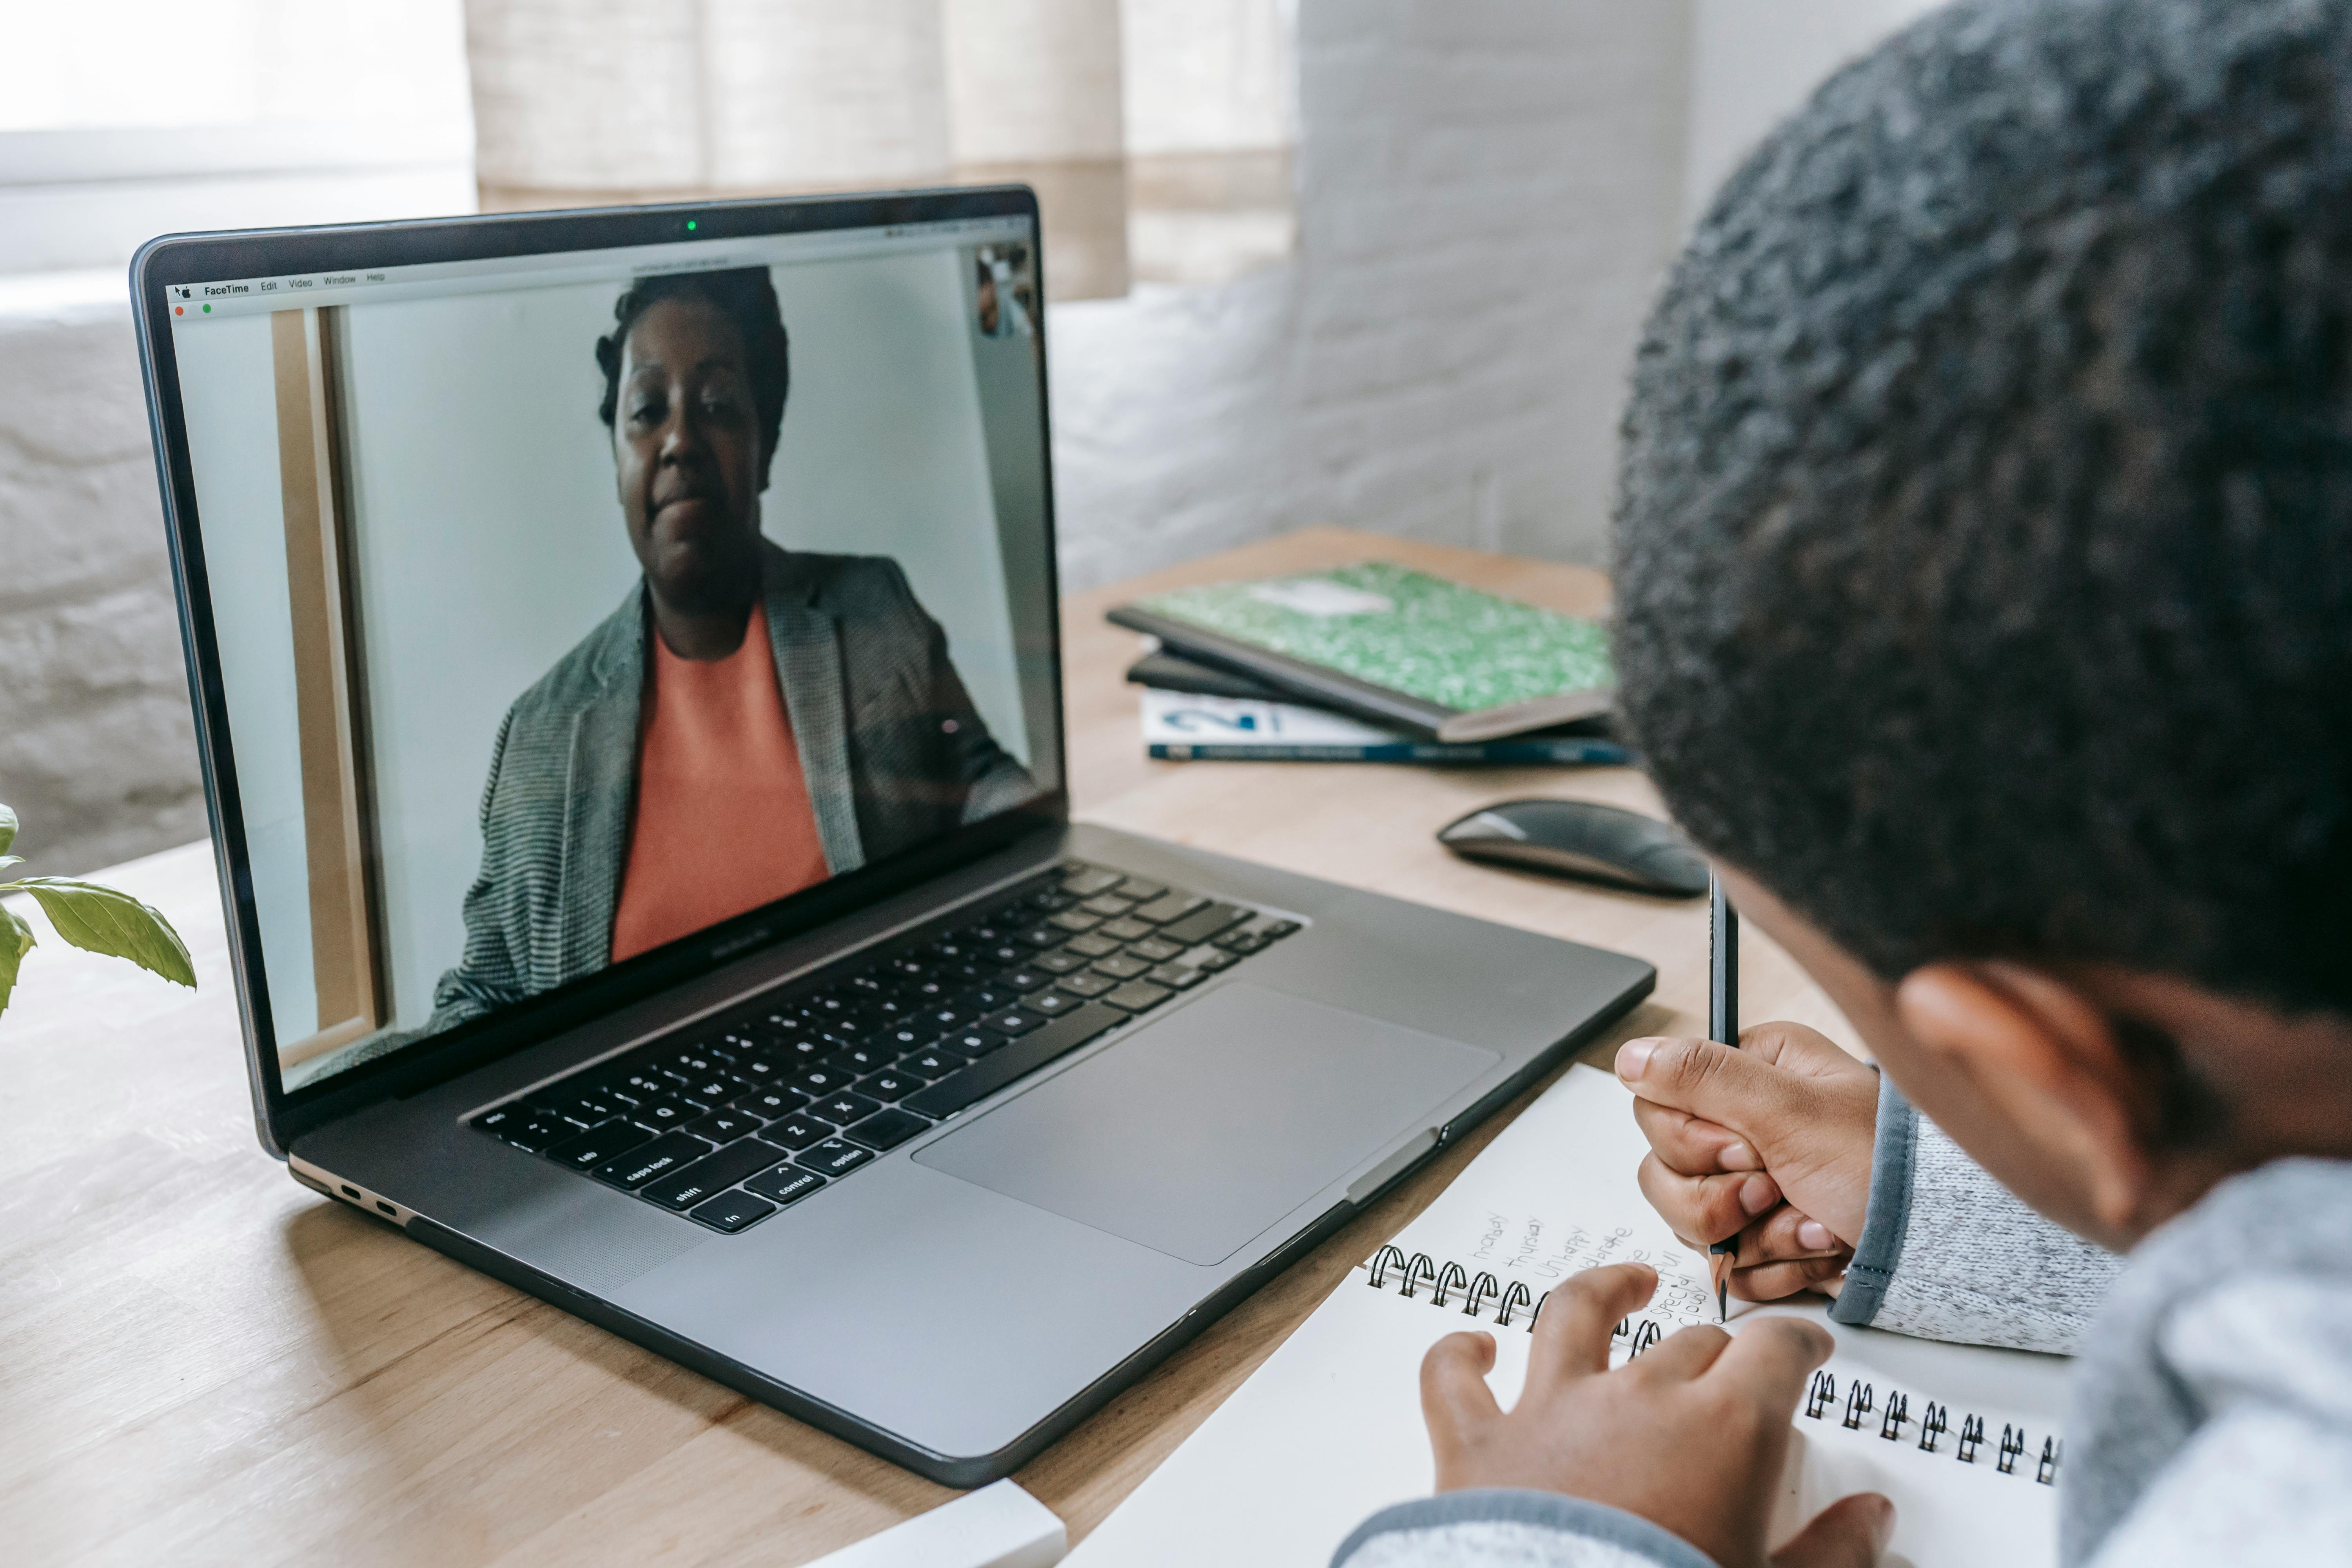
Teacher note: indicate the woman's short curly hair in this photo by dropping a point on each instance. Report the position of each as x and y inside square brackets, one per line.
[746, 296]
[1984, 540]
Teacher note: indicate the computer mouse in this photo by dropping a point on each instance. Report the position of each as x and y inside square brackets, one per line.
[1580, 839]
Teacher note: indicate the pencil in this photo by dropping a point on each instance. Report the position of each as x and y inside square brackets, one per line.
[1723, 1026]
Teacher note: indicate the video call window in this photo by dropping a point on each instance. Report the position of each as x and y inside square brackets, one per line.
[567, 607]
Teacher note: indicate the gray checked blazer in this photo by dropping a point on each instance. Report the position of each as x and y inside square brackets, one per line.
[892, 749]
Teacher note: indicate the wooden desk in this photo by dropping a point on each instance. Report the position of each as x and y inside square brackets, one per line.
[202, 1362]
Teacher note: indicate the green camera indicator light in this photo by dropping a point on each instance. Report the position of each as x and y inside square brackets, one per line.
[691, 225]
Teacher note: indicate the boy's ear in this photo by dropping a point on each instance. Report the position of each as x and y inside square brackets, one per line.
[2045, 1061]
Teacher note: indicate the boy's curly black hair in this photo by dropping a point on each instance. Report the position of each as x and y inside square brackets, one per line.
[746, 296]
[1984, 546]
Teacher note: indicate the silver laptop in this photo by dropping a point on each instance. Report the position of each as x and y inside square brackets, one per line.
[624, 655]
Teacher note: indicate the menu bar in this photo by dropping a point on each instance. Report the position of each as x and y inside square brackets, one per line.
[193, 303]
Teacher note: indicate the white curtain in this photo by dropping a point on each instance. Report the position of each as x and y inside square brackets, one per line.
[606, 99]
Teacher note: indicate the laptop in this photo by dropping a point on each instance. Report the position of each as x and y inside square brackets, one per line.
[624, 655]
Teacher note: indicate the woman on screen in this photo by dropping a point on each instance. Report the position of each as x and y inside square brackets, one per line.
[750, 721]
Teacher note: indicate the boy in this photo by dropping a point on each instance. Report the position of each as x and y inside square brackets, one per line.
[1985, 598]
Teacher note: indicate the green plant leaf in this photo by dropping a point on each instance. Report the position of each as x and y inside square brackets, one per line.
[15, 942]
[101, 920]
[7, 828]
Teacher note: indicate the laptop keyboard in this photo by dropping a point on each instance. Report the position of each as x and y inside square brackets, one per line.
[728, 1122]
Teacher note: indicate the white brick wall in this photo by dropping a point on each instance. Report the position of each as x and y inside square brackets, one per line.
[1488, 190]
[97, 751]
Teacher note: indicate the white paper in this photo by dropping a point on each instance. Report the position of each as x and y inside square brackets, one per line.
[999, 1526]
[1329, 1429]
[1184, 718]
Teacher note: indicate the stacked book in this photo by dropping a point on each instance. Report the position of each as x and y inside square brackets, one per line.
[1372, 663]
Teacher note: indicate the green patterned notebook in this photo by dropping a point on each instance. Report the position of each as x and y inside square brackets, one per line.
[1395, 646]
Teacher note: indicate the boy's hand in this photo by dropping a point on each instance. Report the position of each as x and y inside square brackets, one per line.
[1771, 1143]
[1691, 1436]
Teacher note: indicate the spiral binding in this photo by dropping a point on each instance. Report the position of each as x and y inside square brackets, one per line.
[1472, 1295]
[1935, 1424]
[1477, 1292]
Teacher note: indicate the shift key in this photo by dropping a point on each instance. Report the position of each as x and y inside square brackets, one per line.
[1202, 924]
[1016, 1061]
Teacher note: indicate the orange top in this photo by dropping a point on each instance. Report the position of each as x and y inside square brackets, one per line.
[723, 822]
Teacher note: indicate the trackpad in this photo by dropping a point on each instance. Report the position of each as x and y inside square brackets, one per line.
[1200, 1131]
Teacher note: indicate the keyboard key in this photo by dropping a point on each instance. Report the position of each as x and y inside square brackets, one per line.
[1126, 928]
[664, 1114]
[671, 1152]
[1041, 936]
[713, 1174]
[935, 1063]
[1049, 1003]
[1214, 961]
[1062, 960]
[1021, 982]
[867, 1055]
[1279, 929]
[726, 1125]
[713, 1090]
[821, 1079]
[1087, 883]
[987, 999]
[971, 1042]
[737, 1043]
[885, 1130]
[759, 1067]
[833, 1157]
[1137, 887]
[1109, 905]
[1177, 976]
[587, 1110]
[1120, 966]
[500, 1118]
[892, 1083]
[1155, 949]
[939, 1020]
[1084, 984]
[843, 1107]
[730, 1212]
[1171, 906]
[908, 1037]
[1202, 924]
[1015, 1060]
[1076, 920]
[1094, 944]
[1138, 995]
[1013, 1021]
[767, 1104]
[598, 1145]
[786, 1185]
[1241, 943]
[802, 1052]
[644, 1086]
[797, 1131]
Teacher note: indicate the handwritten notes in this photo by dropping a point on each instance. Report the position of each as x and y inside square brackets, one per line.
[1567, 1167]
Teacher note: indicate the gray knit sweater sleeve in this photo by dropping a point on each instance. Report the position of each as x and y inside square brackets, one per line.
[1947, 1253]
[1508, 1528]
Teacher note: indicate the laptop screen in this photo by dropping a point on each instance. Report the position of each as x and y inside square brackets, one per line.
[568, 605]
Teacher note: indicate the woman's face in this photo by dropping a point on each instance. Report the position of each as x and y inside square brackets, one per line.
[685, 446]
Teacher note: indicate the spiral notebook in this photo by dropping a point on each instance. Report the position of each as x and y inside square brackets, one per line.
[1329, 1430]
